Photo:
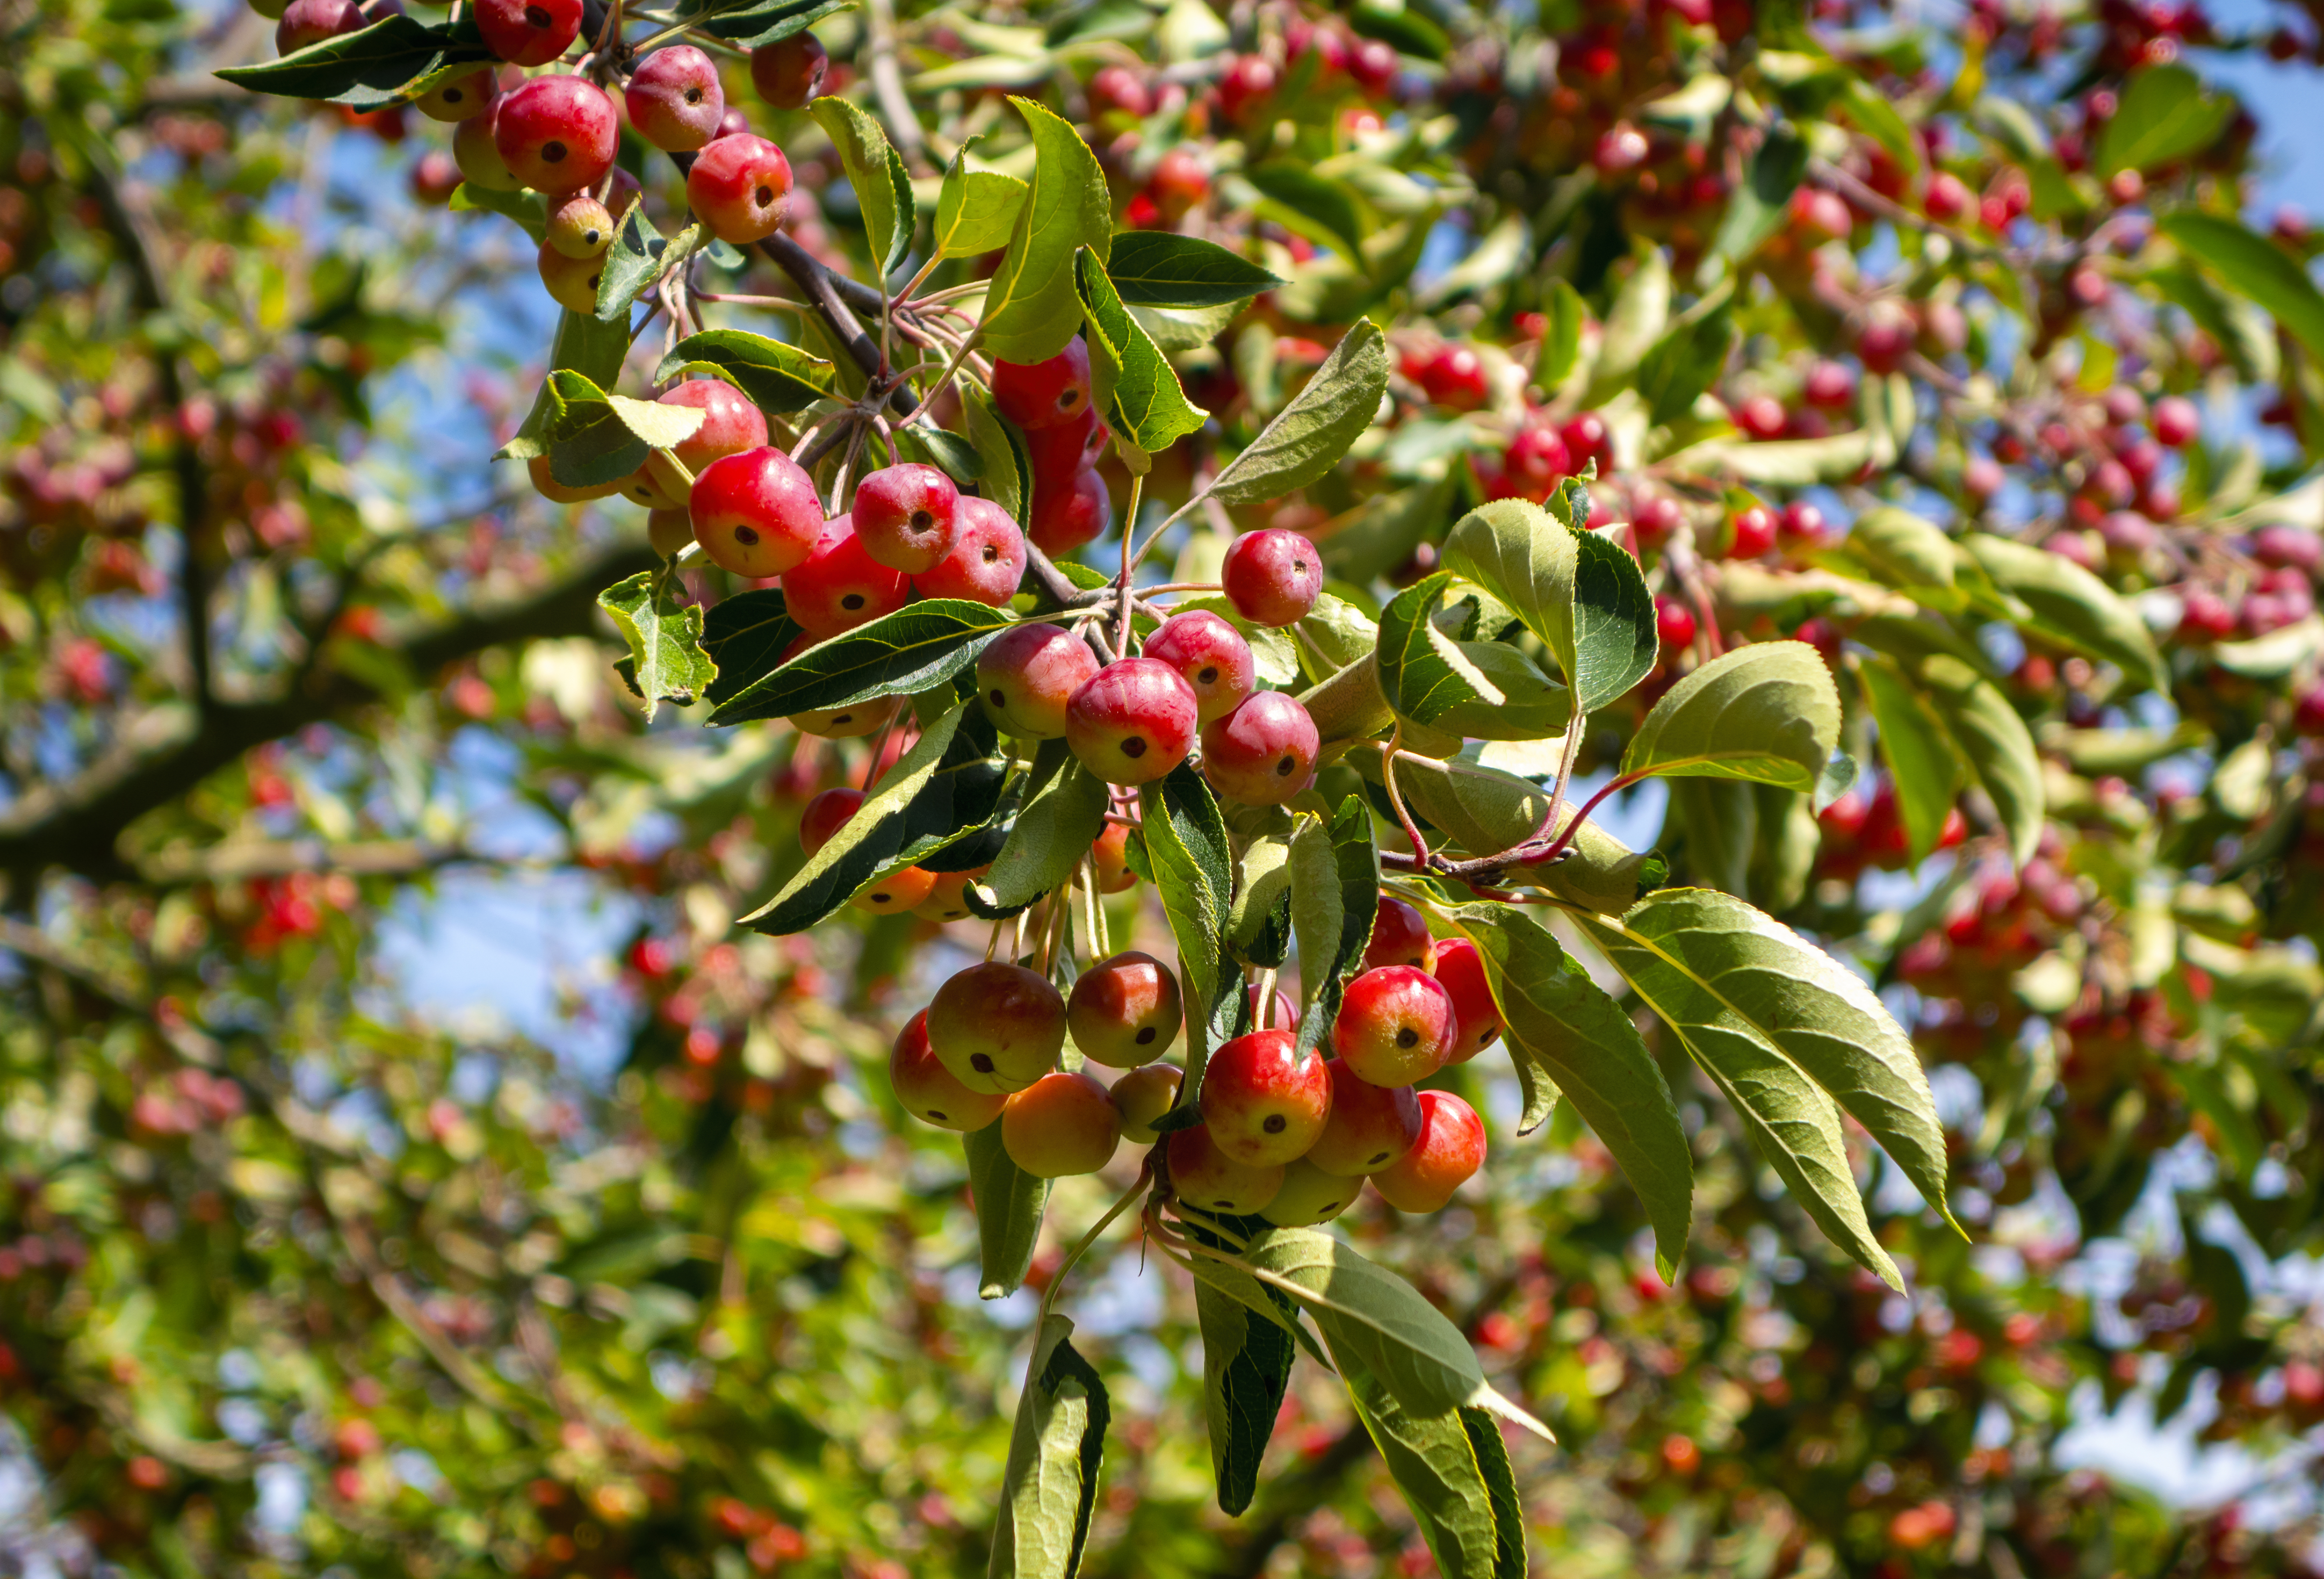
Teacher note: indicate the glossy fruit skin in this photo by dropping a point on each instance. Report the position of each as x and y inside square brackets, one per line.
[1132, 721]
[669, 530]
[1144, 1095]
[571, 283]
[1027, 674]
[1370, 1126]
[527, 32]
[1125, 1011]
[461, 99]
[731, 424]
[1452, 1148]
[789, 71]
[1117, 89]
[997, 1026]
[1064, 1124]
[1205, 1177]
[1283, 1014]
[478, 156]
[1058, 451]
[1043, 394]
[825, 815]
[851, 723]
[738, 186]
[2176, 421]
[1110, 854]
[927, 1088]
[545, 484]
[1263, 1100]
[1065, 517]
[1460, 969]
[674, 98]
[1210, 656]
[906, 516]
[1272, 577]
[557, 134]
[1674, 623]
[1309, 1196]
[1396, 1025]
[986, 561]
[755, 513]
[839, 586]
[1399, 937]
[310, 21]
[1750, 532]
[1262, 753]
[580, 227]
[896, 893]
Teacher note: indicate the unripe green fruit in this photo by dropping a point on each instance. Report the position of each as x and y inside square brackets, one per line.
[1203, 1176]
[851, 723]
[580, 227]
[1145, 1095]
[997, 1026]
[479, 156]
[1124, 1010]
[927, 1087]
[669, 530]
[572, 282]
[460, 98]
[1061, 1124]
[1309, 1196]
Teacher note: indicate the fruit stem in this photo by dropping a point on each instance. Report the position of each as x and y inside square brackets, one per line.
[1058, 1277]
[1387, 778]
[1122, 632]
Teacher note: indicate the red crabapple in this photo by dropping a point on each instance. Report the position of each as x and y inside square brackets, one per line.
[1069, 513]
[674, 98]
[986, 560]
[1202, 1175]
[527, 32]
[738, 186]
[755, 513]
[927, 1088]
[903, 515]
[557, 133]
[1396, 1025]
[1027, 674]
[1247, 82]
[1399, 937]
[1059, 451]
[669, 530]
[1124, 1011]
[1119, 89]
[1372, 62]
[1829, 387]
[1263, 1100]
[580, 227]
[731, 424]
[1273, 577]
[1750, 532]
[839, 585]
[789, 71]
[1451, 1149]
[1062, 1124]
[1179, 182]
[1947, 198]
[1801, 524]
[851, 723]
[2176, 421]
[435, 177]
[1655, 516]
[1588, 438]
[460, 98]
[1310, 1197]
[1210, 656]
[572, 282]
[1132, 721]
[1043, 394]
[1110, 854]
[1477, 1018]
[478, 154]
[1145, 1095]
[310, 21]
[1370, 1126]
[997, 1026]
[1262, 753]
[1673, 622]
[825, 815]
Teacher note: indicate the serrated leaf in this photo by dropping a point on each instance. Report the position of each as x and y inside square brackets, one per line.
[581, 345]
[767, 22]
[1454, 1471]
[1143, 397]
[593, 438]
[1763, 203]
[1334, 900]
[2164, 115]
[634, 261]
[665, 639]
[775, 375]
[1246, 1367]
[1009, 1204]
[1052, 835]
[746, 635]
[363, 70]
[1995, 742]
[1368, 1311]
[919, 646]
[1160, 268]
[1308, 437]
[1033, 307]
[2072, 606]
[883, 188]
[1054, 1451]
[1922, 762]
[1768, 712]
[1474, 688]
[976, 209]
[1193, 871]
[528, 209]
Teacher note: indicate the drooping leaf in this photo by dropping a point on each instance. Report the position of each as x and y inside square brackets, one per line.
[745, 635]
[1009, 1204]
[1246, 1367]
[585, 347]
[1901, 550]
[1560, 336]
[2253, 267]
[1186, 840]
[1995, 742]
[767, 22]
[2072, 606]
[918, 646]
[775, 376]
[1033, 307]
[1061, 820]
[1684, 363]
[1453, 1470]
[1461, 688]
[363, 70]
[636, 258]
[665, 639]
[1050, 1484]
[1768, 712]
[999, 452]
[1309, 436]
[1145, 401]
[883, 188]
[1922, 762]
[1640, 314]
[976, 209]
[1334, 900]
[1367, 1311]
[1160, 268]
[2164, 115]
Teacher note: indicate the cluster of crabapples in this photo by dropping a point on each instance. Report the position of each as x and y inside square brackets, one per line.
[1286, 1132]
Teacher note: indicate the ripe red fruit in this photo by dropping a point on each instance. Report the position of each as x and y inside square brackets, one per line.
[903, 515]
[1399, 937]
[1132, 721]
[755, 513]
[1027, 674]
[1762, 417]
[1829, 387]
[1801, 524]
[527, 32]
[788, 73]
[1396, 1025]
[1071, 513]
[731, 424]
[1947, 198]
[1265, 1101]
[310, 21]
[460, 98]
[925, 1086]
[1064, 449]
[1124, 1011]
[2176, 421]
[674, 98]
[1535, 461]
[557, 134]
[839, 585]
[739, 187]
[1062, 1124]
[1373, 64]
[1210, 656]
[1673, 622]
[825, 815]
[946, 901]
[1203, 1176]
[1143, 1096]
[1750, 532]
[1477, 1018]
[1246, 84]
[1309, 1196]
[986, 560]
[1370, 1126]
[1452, 1147]
[1117, 89]
[997, 1026]
[1179, 182]
[1587, 438]
[1043, 394]
[435, 177]
[1273, 577]
[1453, 376]
[1262, 753]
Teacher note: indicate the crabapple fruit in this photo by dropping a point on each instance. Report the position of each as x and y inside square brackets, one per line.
[460, 98]
[1399, 937]
[527, 32]
[1210, 656]
[1262, 753]
[1309, 1196]
[1110, 854]
[1132, 721]
[1396, 1025]
[851, 723]
[1067, 514]
[1061, 1124]
[1027, 674]
[310, 21]
[731, 424]
[1750, 532]
[825, 815]
[545, 483]
[478, 154]
[1272, 577]
[927, 1088]
[1673, 622]
[896, 893]
[1460, 969]
[674, 98]
[997, 1026]
[572, 282]
[669, 530]
[1124, 1010]
[1043, 394]
[947, 899]
[2176, 421]
[1263, 1099]
[1450, 1148]
[1370, 1126]
[986, 560]
[903, 515]
[1058, 451]
[839, 585]
[755, 513]
[789, 71]
[557, 133]
[738, 186]
[1145, 1095]
[580, 227]
[1203, 1176]
[1117, 89]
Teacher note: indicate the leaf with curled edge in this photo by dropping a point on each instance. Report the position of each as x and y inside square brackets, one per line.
[1453, 1470]
[1335, 877]
[1193, 869]
[1049, 1487]
[883, 188]
[1062, 818]
[665, 639]
[1009, 1204]
[1307, 438]
[1369, 1312]
[1246, 1369]
[919, 646]
[777, 376]
[1768, 712]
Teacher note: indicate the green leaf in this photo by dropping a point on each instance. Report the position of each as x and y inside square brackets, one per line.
[999, 451]
[1640, 313]
[665, 639]
[2164, 115]
[1781, 462]
[746, 635]
[768, 21]
[585, 347]
[1683, 364]
[1186, 840]
[1763, 203]
[1367, 1311]
[919, 646]
[2253, 267]
[883, 188]
[592, 437]
[1160, 268]
[976, 209]
[1561, 340]
[1335, 900]
[1246, 1367]
[528, 209]
[636, 260]
[1316, 208]
[364, 70]
[1915, 556]
[1033, 307]
[1461, 688]
[1453, 1470]
[1054, 1451]
[2070, 606]
[1921, 761]
[1008, 1203]
[1183, 328]
[1768, 712]
[775, 375]
[1995, 742]
[1879, 119]
[1052, 835]
[1567, 1035]
[1144, 398]
[1308, 437]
